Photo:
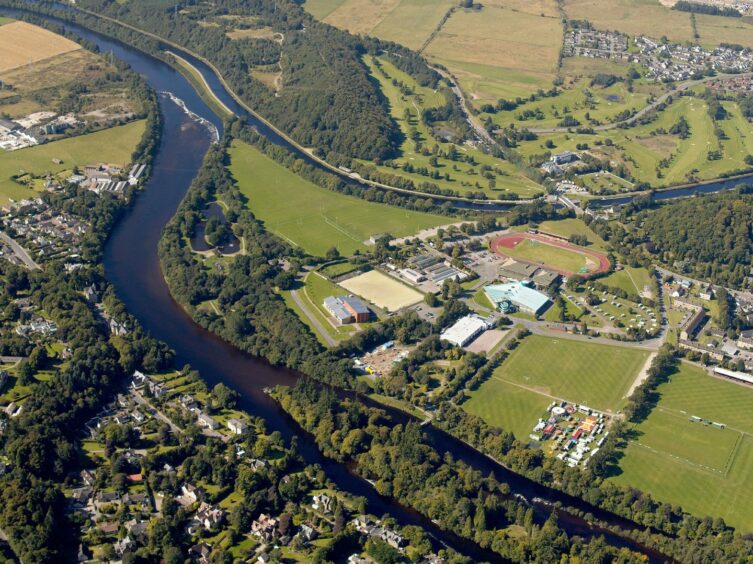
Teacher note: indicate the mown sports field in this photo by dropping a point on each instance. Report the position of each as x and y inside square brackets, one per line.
[551, 253]
[704, 469]
[542, 369]
[312, 217]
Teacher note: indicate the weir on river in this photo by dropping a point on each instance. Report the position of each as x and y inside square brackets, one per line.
[132, 266]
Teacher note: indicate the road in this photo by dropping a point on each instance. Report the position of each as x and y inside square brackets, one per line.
[19, 251]
[161, 416]
[314, 321]
[480, 131]
[642, 112]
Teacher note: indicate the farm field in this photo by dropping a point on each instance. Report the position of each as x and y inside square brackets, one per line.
[464, 177]
[633, 17]
[715, 30]
[320, 9]
[22, 43]
[113, 145]
[45, 86]
[409, 22]
[507, 406]
[381, 290]
[702, 468]
[312, 217]
[520, 42]
[588, 373]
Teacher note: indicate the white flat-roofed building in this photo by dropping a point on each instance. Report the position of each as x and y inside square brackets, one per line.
[464, 330]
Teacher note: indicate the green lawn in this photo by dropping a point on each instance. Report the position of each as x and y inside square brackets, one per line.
[4, 20]
[593, 374]
[555, 257]
[113, 145]
[507, 406]
[704, 469]
[630, 279]
[312, 217]
[568, 227]
[553, 313]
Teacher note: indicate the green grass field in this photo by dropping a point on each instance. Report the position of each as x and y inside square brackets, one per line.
[630, 279]
[555, 257]
[704, 469]
[507, 406]
[113, 145]
[312, 217]
[568, 227]
[590, 373]
[4, 20]
[553, 313]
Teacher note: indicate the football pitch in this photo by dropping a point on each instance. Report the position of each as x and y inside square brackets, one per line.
[701, 467]
[543, 369]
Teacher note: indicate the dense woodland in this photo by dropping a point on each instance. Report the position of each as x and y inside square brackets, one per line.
[708, 238]
[327, 99]
[404, 464]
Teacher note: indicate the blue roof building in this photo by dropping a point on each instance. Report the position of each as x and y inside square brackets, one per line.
[519, 295]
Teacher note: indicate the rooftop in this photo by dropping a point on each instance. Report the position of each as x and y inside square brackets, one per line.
[517, 293]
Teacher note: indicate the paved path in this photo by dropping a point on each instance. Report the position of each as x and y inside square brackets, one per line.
[19, 251]
[643, 111]
[642, 375]
[314, 321]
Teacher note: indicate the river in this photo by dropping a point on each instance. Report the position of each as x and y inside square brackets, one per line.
[132, 266]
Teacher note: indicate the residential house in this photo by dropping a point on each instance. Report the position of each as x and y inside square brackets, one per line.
[190, 494]
[210, 516]
[126, 544]
[207, 422]
[236, 426]
[106, 498]
[265, 527]
[322, 503]
[745, 341]
[200, 553]
[307, 533]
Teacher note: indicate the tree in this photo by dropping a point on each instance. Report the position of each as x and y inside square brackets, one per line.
[25, 373]
[332, 254]
[224, 397]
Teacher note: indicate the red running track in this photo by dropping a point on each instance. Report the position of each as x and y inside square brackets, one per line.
[511, 240]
